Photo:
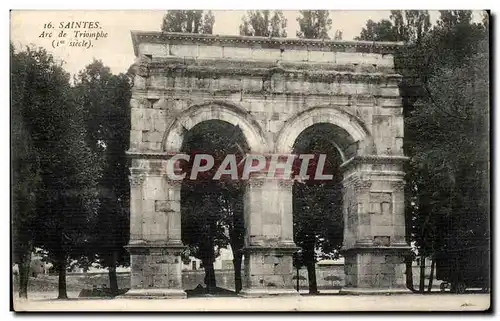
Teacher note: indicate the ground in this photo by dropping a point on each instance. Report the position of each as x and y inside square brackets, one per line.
[327, 302]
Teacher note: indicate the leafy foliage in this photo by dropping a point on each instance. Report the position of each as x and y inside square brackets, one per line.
[66, 195]
[409, 26]
[264, 23]
[378, 31]
[105, 99]
[445, 96]
[190, 21]
[25, 173]
[315, 24]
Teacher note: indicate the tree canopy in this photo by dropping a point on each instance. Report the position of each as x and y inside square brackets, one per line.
[264, 23]
[315, 24]
[190, 21]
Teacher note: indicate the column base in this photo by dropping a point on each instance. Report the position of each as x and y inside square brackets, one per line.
[154, 294]
[262, 293]
[374, 291]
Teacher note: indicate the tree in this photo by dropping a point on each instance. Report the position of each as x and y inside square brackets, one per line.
[338, 35]
[25, 173]
[411, 25]
[426, 62]
[449, 19]
[66, 193]
[378, 31]
[317, 205]
[190, 21]
[105, 99]
[314, 24]
[264, 23]
[208, 23]
[433, 203]
[451, 158]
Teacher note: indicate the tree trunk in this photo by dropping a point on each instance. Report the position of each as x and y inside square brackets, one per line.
[311, 274]
[113, 281]
[431, 277]
[409, 273]
[24, 274]
[208, 265]
[61, 264]
[310, 263]
[422, 274]
[237, 271]
[298, 278]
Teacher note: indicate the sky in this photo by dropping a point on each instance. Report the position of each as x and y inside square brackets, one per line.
[116, 50]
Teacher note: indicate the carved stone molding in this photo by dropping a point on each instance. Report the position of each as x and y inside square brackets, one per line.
[139, 37]
[143, 70]
[374, 159]
[137, 180]
[173, 182]
[256, 182]
[287, 184]
[340, 74]
[357, 184]
[398, 186]
[149, 155]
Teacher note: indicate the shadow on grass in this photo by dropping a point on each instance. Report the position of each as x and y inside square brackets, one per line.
[89, 294]
[201, 292]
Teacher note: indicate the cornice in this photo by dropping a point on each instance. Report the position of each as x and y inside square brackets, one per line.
[139, 37]
[375, 159]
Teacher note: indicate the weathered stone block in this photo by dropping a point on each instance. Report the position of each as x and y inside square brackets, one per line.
[162, 206]
[382, 240]
[271, 231]
[154, 49]
[364, 219]
[234, 52]
[295, 55]
[266, 54]
[151, 136]
[184, 50]
[209, 51]
[389, 91]
[321, 56]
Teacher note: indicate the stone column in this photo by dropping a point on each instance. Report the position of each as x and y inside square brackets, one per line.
[374, 233]
[155, 226]
[269, 242]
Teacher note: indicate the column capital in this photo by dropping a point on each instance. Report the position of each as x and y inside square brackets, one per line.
[256, 181]
[398, 186]
[286, 183]
[137, 179]
[173, 182]
[357, 183]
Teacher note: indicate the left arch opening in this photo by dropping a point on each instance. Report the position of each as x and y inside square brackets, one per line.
[212, 210]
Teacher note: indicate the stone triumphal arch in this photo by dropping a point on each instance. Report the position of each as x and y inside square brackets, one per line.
[272, 89]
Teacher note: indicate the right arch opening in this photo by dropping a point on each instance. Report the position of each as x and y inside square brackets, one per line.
[317, 207]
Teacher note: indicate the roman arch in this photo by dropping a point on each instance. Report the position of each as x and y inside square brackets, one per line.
[272, 89]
